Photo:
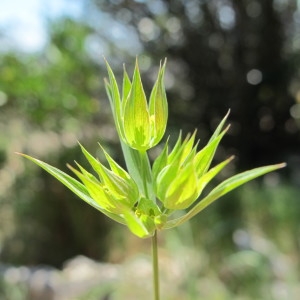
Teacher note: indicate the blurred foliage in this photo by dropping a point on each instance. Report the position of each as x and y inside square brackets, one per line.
[242, 55]
[55, 85]
[51, 100]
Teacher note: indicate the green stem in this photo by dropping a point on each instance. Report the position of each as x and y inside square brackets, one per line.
[155, 267]
[148, 190]
[140, 169]
[145, 168]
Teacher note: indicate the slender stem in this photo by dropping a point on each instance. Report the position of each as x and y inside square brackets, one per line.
[139, 166]
[155, 267]
[146, 174]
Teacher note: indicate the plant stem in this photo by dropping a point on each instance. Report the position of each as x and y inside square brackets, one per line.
[155, 267]
[138, 164]
[146, 174]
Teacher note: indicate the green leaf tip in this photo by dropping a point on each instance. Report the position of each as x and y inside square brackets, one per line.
[74, 185]
[222, 189]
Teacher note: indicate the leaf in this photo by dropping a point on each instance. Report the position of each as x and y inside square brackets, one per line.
[186, 148]
[183, 151]
[136, 226]
[114, 166]
[136, 118]
[158, 106]
[116, 184]
[204, 157]
[97, 192]
[160, 162]
[164, 179]
[114, 98]
[75, 186]
[113, 87]
[176, 148]
[133, 192]
[182, 191]
[101, 170]
[148, 207]
[126, 88]
[207, 177]
[222, 189]
[220, 127]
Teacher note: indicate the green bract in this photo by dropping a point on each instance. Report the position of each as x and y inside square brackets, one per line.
[140, 125]
[145, 198]
[181, 175]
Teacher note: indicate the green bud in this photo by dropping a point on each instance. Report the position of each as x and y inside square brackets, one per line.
[137, 225]
[147, 211]
[99, 192]
[140, 124]
[181, 175]
[144, 218]
[115, 190]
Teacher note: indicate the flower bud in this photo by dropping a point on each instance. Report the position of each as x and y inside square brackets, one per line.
[140, 124]
[181, 175]
[145, 219]
[115, 190]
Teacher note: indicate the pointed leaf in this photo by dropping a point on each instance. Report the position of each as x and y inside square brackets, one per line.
[160, 162]
[222, 189]
[115, 101]
[186, 148]
[207, 177]
[136, 119]
[205, 156]
[158, 106]
[117, 186]
[165, 179]
[96, 165]
[219, 128]
[148, 207]
[75, 186]
[182, 191]
[176, 148]
[114, 166]
[126, 87]
[136, 226]
[97, 192]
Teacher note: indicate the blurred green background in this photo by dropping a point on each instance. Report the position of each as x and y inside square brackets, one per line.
[237, 54]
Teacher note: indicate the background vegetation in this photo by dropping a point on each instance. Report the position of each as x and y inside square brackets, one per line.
[242, 55]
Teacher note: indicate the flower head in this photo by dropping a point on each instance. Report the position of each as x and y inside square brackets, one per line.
[145, 198]
[114, 190]
[140, 124]
[181, 175]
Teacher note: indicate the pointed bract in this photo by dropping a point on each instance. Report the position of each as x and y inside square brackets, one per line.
[136, 118]
[140, 125]
[158, 107]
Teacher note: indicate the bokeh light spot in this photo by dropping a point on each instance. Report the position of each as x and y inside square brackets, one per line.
[295, 111]
[226, 17]
[254, 77]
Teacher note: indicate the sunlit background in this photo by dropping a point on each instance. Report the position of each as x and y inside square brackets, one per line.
[242, 55]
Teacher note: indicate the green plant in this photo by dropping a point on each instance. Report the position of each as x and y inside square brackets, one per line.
[146, 198]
